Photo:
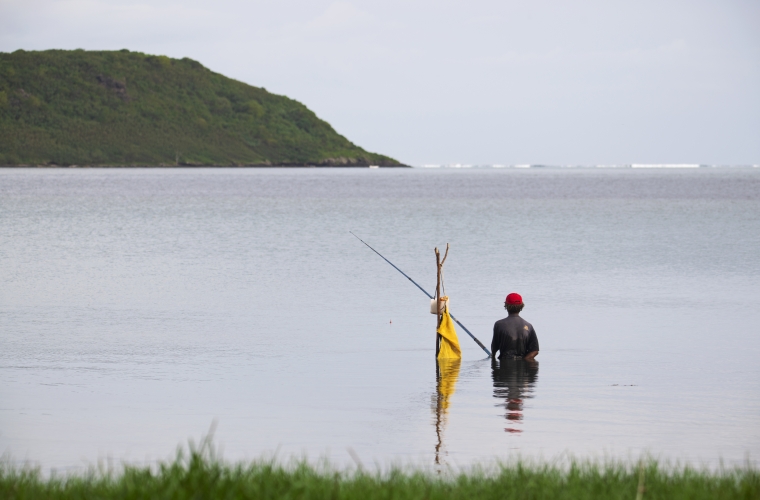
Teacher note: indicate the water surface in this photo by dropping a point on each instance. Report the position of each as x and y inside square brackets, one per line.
[137, 306]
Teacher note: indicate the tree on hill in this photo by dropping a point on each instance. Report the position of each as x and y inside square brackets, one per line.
[128, 108]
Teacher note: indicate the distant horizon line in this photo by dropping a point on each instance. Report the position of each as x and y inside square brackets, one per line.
[600, 165]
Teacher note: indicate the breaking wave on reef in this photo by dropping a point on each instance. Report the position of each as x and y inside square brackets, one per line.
[625, 165]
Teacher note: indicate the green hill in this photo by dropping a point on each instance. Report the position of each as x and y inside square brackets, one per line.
[128, 108]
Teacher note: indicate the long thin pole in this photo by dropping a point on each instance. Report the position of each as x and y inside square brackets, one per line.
[425, 292]
[394, 267]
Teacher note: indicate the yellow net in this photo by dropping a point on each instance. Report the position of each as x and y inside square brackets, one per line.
[449, 341]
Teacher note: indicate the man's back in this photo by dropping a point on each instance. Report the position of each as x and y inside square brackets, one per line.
[513, 336]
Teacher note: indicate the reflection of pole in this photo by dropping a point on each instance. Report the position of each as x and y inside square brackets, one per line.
[438, 408]
[446, 374]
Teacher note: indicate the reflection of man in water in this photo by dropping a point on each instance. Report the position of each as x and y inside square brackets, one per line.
[516, 372]
[514, 380]
[514, 337]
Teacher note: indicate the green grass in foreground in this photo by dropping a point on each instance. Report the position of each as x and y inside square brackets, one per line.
[200, 476]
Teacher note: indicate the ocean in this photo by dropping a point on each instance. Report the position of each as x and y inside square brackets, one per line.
[142, 308]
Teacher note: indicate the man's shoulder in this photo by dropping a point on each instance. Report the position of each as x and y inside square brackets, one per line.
[517, 321]
[527, 324]
[501, 322]
[512, 321]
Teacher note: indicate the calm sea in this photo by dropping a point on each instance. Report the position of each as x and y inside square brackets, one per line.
[139, 306]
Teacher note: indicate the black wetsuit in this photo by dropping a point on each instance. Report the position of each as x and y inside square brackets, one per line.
[513, 337]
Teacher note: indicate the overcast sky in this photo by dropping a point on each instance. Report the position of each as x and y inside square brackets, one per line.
[476, 81]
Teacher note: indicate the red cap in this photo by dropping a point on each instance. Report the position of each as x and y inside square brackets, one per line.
[514, 299]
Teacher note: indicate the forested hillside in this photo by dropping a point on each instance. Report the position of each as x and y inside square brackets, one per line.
[128, 108]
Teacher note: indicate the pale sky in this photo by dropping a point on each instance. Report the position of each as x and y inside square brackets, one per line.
[476, 82]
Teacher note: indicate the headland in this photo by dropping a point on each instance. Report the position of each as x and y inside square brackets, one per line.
[129, 109]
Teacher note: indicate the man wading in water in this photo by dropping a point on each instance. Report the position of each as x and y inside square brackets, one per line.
[514, 337]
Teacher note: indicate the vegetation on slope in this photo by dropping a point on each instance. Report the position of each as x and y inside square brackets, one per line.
[128, 108]
[199, 475]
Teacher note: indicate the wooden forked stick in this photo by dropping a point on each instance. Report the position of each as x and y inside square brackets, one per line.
[438, 265]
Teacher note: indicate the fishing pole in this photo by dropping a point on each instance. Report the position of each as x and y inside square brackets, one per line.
[425, 292]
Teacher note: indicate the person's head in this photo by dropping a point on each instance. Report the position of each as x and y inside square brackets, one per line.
[513, 303]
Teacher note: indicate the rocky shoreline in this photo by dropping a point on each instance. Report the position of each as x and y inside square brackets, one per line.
[198, 165]
[329, 162]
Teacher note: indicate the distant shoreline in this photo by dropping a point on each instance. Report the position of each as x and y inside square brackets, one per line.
[282, 165]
